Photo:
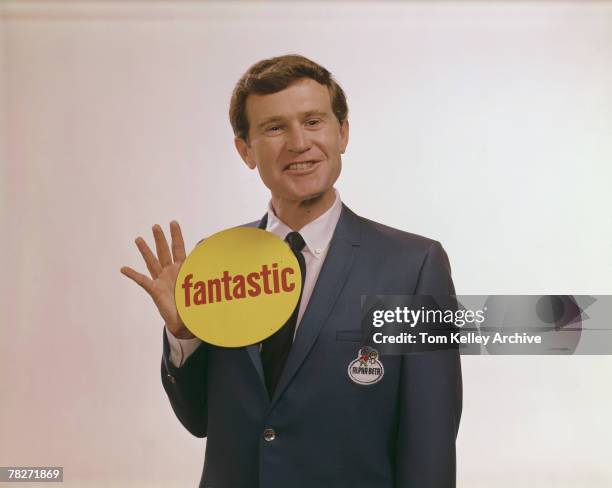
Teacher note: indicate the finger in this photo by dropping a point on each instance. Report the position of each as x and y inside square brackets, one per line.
[150, 259]
[161, 244]
[178, 245]
[138, 278]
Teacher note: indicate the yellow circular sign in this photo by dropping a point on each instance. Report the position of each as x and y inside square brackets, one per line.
[238, 287]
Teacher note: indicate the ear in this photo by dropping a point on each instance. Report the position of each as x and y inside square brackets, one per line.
[344, 136]
[244, 150]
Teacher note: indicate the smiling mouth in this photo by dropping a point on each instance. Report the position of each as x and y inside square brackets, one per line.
[302, 165]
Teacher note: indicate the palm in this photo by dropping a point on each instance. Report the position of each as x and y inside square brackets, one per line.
[162, 293]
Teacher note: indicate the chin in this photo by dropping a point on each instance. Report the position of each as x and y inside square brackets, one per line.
[313, 197]
[308, 192]
[303, 193]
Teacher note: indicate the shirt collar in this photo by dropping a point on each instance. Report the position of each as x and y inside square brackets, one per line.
[316, 234]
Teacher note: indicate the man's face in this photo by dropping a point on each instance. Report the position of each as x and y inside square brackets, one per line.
[295, 141]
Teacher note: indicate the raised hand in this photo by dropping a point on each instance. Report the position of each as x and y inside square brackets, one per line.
[164, 269]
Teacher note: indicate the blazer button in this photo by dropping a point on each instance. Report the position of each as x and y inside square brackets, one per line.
[171, 379]
[269, 435]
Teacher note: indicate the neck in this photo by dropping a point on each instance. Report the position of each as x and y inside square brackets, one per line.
[297, 213]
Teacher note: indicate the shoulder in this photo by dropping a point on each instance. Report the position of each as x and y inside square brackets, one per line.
[397, 253]
[425, 258]
[254, 224]
[393, 240]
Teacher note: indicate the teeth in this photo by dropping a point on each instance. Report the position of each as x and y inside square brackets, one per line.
[304, 165]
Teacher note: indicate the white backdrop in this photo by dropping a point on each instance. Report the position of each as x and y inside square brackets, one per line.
[485, 125]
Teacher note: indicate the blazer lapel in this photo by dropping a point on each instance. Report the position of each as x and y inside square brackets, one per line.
[253, 349]
[329, 284]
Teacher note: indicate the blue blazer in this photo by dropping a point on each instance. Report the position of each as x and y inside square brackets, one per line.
[322, 429]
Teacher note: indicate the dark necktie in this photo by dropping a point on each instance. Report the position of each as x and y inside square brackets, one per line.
[275, 349]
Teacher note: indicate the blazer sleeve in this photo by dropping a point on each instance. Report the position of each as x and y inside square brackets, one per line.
[430, 401]
[186, 388]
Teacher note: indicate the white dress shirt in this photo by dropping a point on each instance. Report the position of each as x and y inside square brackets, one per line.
[317, 236]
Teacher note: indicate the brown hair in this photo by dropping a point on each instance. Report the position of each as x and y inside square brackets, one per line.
[275, 74]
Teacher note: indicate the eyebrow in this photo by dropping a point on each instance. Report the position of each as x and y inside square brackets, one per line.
[278, 118]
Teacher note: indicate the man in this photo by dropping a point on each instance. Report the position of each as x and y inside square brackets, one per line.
[314, 424]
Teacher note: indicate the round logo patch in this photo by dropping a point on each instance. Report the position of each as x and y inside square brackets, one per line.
[367, 368]
[238, 287]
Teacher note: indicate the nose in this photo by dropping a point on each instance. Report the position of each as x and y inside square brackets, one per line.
[297, 140]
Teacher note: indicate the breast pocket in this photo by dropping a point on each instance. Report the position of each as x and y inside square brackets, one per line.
[350, 335]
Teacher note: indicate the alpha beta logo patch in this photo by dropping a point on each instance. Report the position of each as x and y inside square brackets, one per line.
[367, 368]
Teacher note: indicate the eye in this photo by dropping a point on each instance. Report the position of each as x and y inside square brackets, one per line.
[313, 122]
[273, 129]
